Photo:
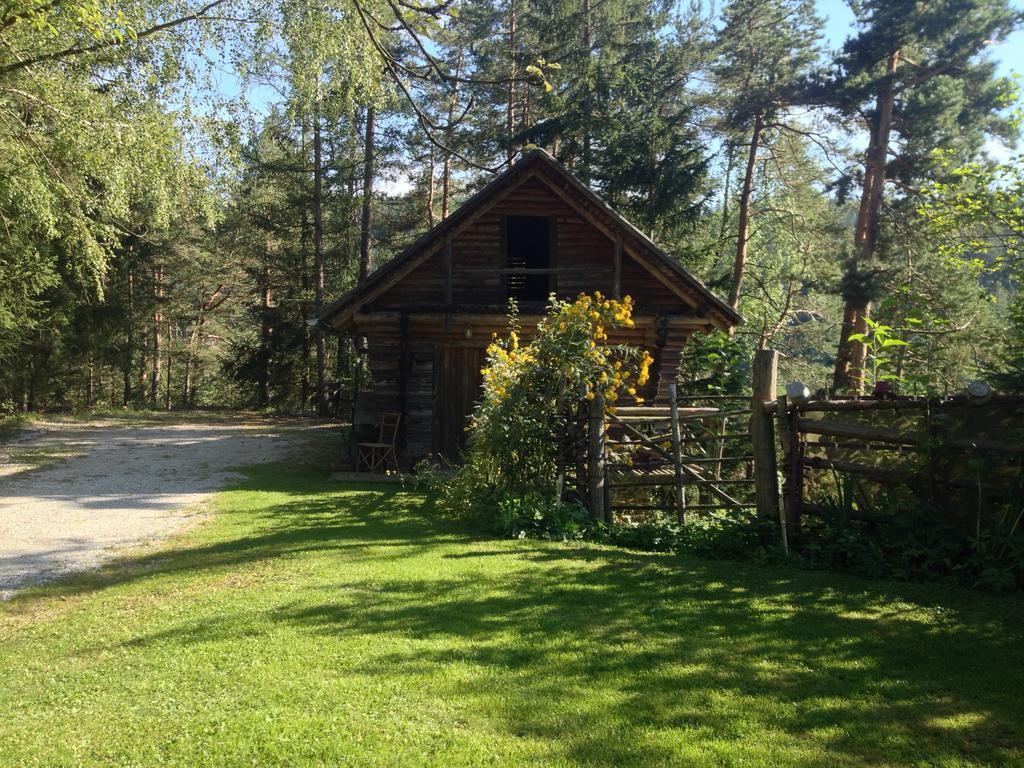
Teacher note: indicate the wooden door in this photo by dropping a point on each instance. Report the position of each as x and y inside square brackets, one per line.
[457, 382]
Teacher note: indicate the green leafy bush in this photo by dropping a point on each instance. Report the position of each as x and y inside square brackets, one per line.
[540, 515]
[909, 539]
[532, 391]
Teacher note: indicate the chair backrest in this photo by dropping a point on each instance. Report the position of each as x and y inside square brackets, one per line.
[388, 426]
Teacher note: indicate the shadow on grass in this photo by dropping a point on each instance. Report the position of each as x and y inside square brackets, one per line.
[601, 651]
[322, 518]
[725, 652]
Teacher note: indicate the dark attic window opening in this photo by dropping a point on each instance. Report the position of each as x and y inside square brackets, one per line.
[528, 266]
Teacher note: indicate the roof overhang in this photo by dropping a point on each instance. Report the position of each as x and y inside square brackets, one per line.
[340, 314]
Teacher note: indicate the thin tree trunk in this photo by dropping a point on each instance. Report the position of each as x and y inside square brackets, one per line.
[446, 172]
[144, 367]
[743, 225]
[30, 406]
[318, 265]
[446, 176]
[304, 250]
[188, 393]
[89, 384]
[430, 188]
[170, 360]
[367, 218]
[851, 357]
[510, 107]
[524, 117]
[129, 343]
[263, 393]
[158, 293]
[730, 158]
[341, 364]
[354, 211]
[587, 107]
[187, 383]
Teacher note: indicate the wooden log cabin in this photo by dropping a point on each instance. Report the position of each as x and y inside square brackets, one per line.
[428, 314]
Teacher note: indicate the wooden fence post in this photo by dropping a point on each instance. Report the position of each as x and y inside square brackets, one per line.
[595, 458]
[788, 416]
[762, 433]
[677, 452]
[785, 424]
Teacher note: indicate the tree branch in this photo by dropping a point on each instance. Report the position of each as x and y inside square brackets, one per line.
[78, 49]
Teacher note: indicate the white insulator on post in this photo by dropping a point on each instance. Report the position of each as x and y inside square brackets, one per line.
[979, 391]
[797, 392]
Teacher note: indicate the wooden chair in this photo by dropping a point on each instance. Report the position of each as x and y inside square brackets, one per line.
[381, 454]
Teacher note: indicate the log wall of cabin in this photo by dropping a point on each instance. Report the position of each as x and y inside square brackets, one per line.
[403, 353]
[584, 259]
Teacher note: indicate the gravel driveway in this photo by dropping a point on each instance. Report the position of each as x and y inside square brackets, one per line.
[122, 486]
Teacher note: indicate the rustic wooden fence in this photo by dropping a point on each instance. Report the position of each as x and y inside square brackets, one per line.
[691, 456]
[780, 454]
[963, 454]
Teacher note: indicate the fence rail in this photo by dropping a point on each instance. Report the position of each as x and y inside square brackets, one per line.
[959, 451]
[726, 454]
[687, 456]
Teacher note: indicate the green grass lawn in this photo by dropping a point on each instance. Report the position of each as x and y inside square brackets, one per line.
[308, 623]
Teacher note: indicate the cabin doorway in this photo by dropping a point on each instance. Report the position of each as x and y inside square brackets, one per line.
[457, 382]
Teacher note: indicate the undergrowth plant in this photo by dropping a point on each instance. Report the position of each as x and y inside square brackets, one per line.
[532, 389]
[881, 340]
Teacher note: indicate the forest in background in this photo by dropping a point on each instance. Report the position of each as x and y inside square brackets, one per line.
[183, 185]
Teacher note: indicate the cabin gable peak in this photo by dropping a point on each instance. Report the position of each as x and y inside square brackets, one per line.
[493, 210]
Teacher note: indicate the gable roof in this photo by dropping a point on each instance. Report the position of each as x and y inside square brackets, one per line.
[537, 163]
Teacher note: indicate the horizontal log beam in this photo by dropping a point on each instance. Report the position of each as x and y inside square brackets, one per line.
[885, 435]
[688, 506]
[869, 404]
[877, 473]
[499, 318]
[861, 431]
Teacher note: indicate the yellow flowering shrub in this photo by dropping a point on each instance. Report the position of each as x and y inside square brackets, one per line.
[532, 388]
